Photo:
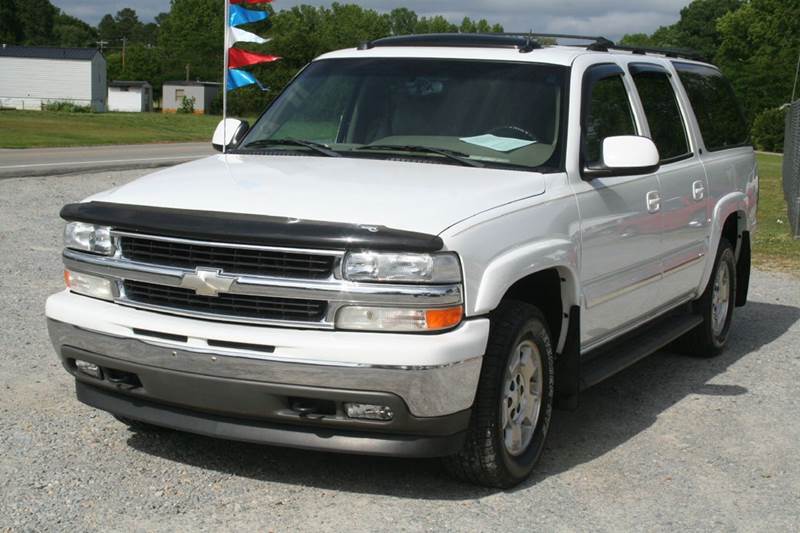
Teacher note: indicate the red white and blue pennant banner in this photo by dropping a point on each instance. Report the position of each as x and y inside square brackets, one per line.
[235, 77]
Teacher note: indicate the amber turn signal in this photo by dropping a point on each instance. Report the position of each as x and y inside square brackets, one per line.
[444, 318]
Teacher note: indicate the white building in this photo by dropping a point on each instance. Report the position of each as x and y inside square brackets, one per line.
[31, 76]
[130, 96]
[203, 93]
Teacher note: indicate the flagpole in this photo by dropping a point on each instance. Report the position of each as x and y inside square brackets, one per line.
[225, 79]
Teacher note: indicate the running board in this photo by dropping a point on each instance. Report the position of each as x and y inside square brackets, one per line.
[618, 355]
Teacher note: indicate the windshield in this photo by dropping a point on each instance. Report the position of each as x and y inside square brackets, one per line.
[482, 113]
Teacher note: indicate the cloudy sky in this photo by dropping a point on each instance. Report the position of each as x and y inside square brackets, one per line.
[611, 18]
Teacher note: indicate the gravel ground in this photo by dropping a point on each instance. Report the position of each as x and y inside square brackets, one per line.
[672, 443]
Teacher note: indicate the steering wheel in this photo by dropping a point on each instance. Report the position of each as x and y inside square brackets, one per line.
[515, 132]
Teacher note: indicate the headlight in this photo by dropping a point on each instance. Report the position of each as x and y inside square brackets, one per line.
[398, 319]
[89, 285]
[88, 238]
[404, 268]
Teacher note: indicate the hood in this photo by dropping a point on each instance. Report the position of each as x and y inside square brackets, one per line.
[419, 197]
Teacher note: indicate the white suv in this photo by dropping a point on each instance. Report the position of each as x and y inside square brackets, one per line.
[421, 247]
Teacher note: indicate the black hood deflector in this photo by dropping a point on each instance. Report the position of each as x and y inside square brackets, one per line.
[249, 229]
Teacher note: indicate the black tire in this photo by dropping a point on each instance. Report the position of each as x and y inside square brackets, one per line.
[485, 459]
[704, 341]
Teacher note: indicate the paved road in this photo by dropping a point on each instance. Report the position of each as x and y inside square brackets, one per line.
[55, 161]
[671, 444]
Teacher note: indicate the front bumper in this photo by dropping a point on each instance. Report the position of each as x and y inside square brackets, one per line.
[193, 386]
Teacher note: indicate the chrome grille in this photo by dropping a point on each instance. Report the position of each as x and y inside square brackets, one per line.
[233, 305]
[232, 260]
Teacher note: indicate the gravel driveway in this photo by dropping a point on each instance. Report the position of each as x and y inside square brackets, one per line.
[672, 443]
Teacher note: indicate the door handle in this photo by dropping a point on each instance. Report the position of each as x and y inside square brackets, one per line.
[653, 202]
[698, 191]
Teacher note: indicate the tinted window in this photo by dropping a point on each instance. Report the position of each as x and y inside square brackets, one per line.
[662, 111]
[718, 113]
[608, 114]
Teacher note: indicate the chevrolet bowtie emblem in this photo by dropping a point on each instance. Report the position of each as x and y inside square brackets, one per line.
[207, 282]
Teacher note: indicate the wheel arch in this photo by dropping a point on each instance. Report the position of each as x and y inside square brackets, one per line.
[730, 221]
[542, 274]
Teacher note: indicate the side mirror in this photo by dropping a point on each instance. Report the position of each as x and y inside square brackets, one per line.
[229, 133]
[625, 155]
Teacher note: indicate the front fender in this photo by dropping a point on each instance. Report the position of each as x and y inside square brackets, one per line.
[515, 264]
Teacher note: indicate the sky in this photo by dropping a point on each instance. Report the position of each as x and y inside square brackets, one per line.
[609, 18]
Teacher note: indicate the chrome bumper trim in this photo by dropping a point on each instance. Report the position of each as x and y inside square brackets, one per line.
[428, 391]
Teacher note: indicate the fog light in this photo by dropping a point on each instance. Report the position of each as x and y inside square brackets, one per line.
[398, 319]
[90, 369]
[89, 285]
[369, 412]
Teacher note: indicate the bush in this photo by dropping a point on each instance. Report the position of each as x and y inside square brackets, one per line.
[187, 105]
[768, 130]
[66, 107]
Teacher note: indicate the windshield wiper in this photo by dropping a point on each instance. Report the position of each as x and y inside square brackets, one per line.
[320, 148]
[450, 154]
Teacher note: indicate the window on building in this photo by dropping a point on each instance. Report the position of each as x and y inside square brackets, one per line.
[179, 94]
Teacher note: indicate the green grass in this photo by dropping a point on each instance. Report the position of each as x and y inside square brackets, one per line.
[30, 129]
[774, 247]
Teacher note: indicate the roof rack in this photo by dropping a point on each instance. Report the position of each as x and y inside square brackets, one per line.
[520, 42]
[684, 53]
[524, 42]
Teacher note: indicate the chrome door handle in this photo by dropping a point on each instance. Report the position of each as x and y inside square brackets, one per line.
[653, 202]
[698, 191]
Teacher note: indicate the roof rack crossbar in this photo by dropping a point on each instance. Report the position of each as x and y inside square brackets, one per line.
[521, 42]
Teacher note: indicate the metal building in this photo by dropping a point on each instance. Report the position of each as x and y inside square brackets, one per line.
[203, 93]
[130, 96]
[31, 76]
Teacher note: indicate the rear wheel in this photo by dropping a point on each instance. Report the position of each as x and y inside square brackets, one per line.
[514, 403]
[716, 306]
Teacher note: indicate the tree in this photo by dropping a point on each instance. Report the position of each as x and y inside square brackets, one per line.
[696, 29]
[10, 31]
[73, 32]
[107, 29]
[192, 35]
[126, 25]
[758, 51]
[35, 18]
[402, 21]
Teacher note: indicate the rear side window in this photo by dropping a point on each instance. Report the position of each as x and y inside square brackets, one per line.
[719, 116]
[663, 113]
[608, 113]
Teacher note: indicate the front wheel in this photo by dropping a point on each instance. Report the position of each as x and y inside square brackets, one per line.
[514, 403]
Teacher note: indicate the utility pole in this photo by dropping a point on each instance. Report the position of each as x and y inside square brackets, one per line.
[796, 75]
[188, 69]
[101, 44]
[124, 46]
